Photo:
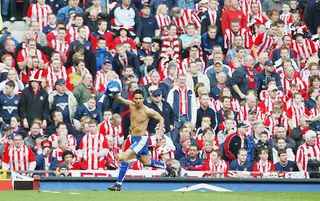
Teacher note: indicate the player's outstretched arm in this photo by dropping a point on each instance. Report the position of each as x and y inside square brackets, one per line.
[119, 98]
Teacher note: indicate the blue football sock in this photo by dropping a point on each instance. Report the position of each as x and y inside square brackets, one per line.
[122, 172]
[157, 164]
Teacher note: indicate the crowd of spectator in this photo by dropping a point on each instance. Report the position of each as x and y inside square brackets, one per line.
[237, 82]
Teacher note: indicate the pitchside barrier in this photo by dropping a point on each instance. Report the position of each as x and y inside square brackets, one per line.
[156, 180]
[5, 182]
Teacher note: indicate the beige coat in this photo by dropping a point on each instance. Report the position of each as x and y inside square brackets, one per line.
[201, 78]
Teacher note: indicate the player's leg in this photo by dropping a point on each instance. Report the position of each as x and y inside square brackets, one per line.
[126, 157]
[148, 161]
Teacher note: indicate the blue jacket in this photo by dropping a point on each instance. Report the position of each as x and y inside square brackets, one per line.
[246, 166]
[83, 110]
[289, 167]
[262, 80]
[41, 163]
[176, 104]
[101, 55]
[208, 43]
[190, 165]
[220, 117]
[63, 13]
[251, 143]
[240, 77]
[311, 103]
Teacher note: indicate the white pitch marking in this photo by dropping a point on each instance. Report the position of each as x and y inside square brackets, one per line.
[205, 186]
[74, 193]
[54, 192]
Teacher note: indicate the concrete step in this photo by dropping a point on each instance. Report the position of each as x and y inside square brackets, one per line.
[16, 26]
[17, 29]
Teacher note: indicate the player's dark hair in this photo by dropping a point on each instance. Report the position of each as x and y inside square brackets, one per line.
[138, 91]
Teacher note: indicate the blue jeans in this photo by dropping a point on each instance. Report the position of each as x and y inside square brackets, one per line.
[8, 8]
[5, 7]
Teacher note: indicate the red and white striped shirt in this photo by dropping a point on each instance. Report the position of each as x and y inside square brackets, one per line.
[111, 158]
[171, 42]
[101, 81]
[200, 141]
[39, 13]
[156, 153]
[23, 54]
[245, 5]
[163, 67]
[52, 77]
[19, 159]
[287, 18]
[58, 45]
[305, 50]
[229, 38]
[163, 20]
[286, 84]
[91, 146]
[267, 104]
[189, 16]
[222, 167]
[145, 80]
[234, 104]
[306, 152]
[106, 128]
[264, 43]
[73, 34]
[212, 103]
[314, 111]
[212, 16]
[263, 166]
[244, 110]
[294, 113]
[270, 122]
[183, 101]
[186, 62]
[72, 142]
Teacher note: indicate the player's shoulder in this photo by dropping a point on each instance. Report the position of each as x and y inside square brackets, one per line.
[148, 110]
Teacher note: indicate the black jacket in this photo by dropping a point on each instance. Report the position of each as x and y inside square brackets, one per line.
[34, 105]
[89, 60]
[240, 77]
[231, 146]
[132, 60]
[208, 112]
[167, 113]
[205, 22]
[312, 17]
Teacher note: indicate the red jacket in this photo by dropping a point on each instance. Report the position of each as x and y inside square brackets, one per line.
[229, 15]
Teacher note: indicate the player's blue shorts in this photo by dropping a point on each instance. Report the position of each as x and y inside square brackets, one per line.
[139, 144]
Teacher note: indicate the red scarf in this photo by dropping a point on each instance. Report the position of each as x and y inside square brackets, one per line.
[251, 77]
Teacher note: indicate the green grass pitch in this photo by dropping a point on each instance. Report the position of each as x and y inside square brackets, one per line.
[154, 196]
